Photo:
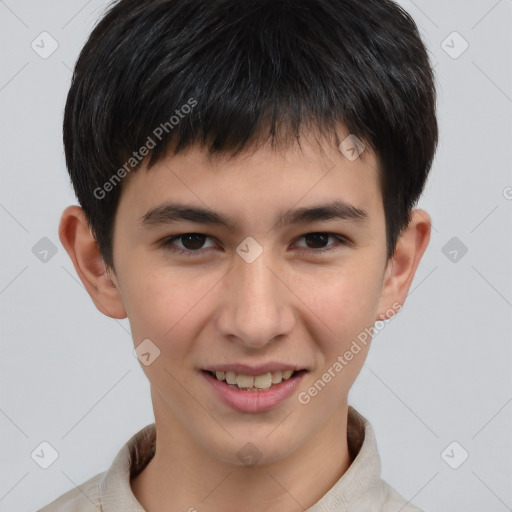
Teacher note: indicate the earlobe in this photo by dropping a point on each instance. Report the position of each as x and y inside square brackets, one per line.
[402, 267]
[77, 239]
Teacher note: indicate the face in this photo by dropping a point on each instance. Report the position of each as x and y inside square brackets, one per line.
[281, 269]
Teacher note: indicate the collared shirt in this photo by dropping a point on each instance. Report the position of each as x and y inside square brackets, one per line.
[360, 488]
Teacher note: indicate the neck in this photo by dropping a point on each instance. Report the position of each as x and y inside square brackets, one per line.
[184, 476]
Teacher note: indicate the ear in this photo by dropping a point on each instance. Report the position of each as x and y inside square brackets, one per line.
[401, 268]
[80, 244]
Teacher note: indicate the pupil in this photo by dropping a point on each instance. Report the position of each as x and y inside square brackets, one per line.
[193, 241]
[317, 238]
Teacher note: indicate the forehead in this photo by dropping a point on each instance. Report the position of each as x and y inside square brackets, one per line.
[258, 182]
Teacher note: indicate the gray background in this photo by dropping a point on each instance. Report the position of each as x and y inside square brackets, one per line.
[439, 372]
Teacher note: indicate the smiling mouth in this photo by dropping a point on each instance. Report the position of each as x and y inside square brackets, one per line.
[256, 383]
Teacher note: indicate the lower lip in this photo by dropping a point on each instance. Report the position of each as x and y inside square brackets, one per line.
[254, 401]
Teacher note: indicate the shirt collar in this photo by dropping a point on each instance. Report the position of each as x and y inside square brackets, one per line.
[360, 484]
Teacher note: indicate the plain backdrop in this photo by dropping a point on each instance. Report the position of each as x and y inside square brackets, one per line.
[438, 374]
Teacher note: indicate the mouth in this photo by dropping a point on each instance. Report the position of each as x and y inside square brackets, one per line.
[253, 383]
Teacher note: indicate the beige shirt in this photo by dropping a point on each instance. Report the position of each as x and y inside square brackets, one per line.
[360, 489]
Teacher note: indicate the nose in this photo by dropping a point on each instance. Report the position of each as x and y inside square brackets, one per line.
[256, 304]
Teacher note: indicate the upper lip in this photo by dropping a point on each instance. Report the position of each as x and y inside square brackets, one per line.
[253, 370]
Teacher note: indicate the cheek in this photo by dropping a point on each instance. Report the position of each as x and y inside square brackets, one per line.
[345, 299]
[345, 304]
[162, 305]
[165, 307]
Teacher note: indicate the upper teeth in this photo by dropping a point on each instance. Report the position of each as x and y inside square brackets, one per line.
[264, 381]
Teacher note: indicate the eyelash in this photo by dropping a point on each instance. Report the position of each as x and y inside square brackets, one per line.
[167, 244]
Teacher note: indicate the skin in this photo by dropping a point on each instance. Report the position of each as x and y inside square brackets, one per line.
[294, 307]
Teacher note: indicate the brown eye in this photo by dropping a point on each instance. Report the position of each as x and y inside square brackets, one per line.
[316, 240]
[318, 243]
[193, 241]
[190, 244]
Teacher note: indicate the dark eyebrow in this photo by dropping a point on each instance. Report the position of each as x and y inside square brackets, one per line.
[334, 210]
[167, 213]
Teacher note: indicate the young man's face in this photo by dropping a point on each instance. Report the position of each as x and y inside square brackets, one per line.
[291, 305]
